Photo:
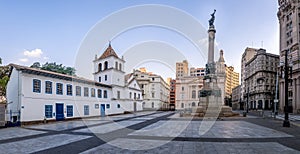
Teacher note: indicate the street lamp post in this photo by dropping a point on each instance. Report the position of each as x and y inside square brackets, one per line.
[286, 122]
[276, 95]
[247, 100]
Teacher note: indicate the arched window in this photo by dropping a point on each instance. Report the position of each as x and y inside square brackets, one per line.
[99, 67]
[120, 67]
[193, 104]
[116, 66]
[194, 94]
[105, 65]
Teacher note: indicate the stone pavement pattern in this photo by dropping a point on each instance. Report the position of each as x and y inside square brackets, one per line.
[151, 132]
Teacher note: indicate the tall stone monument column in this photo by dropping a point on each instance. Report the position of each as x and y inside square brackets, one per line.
[211, 97]
[211, 44]
[210, 66]
[211, 93]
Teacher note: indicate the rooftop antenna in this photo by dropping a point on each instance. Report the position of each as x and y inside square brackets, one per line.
[262, 44]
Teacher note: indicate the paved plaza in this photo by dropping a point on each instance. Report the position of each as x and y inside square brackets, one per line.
[153, 132]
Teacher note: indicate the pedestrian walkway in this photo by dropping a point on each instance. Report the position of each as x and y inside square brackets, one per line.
[270, 114]
[291, 117]
[153, 132]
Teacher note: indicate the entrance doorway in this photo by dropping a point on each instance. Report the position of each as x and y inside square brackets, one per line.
[267, 105]
[134, 106]
[102, 110]
[59, 108]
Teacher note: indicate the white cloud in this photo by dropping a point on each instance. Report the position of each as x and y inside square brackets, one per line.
[23, 60]
[36, 53]
[28, 57]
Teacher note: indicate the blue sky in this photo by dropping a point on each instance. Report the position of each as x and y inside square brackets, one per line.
[48, 30]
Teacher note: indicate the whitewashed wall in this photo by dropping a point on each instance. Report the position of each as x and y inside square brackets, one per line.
[13, 93]
[113, 76]
[33, 104]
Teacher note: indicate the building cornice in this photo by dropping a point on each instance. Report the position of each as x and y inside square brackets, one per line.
[109, 69]
[55, 75]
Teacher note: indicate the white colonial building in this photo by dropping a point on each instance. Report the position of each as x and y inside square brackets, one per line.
[155, 90]
[188, 92]
[36, 95]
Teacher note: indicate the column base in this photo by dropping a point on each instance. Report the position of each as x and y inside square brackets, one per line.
[286, 123]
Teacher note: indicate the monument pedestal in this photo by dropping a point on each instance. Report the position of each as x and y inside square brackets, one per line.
[210, 96]
[211, 99]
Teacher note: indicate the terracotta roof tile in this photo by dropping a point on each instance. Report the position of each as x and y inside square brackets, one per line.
[109, 52]
[56, 75]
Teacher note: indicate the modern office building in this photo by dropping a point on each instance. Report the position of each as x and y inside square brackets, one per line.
[232, 80]
[172, 94]
[182, 69]
[197, 71]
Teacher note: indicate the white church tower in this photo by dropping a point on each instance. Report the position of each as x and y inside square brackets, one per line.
[109, 68]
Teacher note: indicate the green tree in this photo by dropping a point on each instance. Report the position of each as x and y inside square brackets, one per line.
[36, 65]
[70, 70]
[4, 77]
[53, 67]
[3, 83]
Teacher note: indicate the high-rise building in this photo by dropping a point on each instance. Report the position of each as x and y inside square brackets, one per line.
[182, 69]
[169, 81]
[289, 21]
[236, 98]
[143, 69]
[247, 55]
[197, 71]
[172, 94]
[260, 79]
[232, 80]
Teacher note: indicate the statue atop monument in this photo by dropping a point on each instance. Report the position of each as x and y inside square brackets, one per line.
[212, 19]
